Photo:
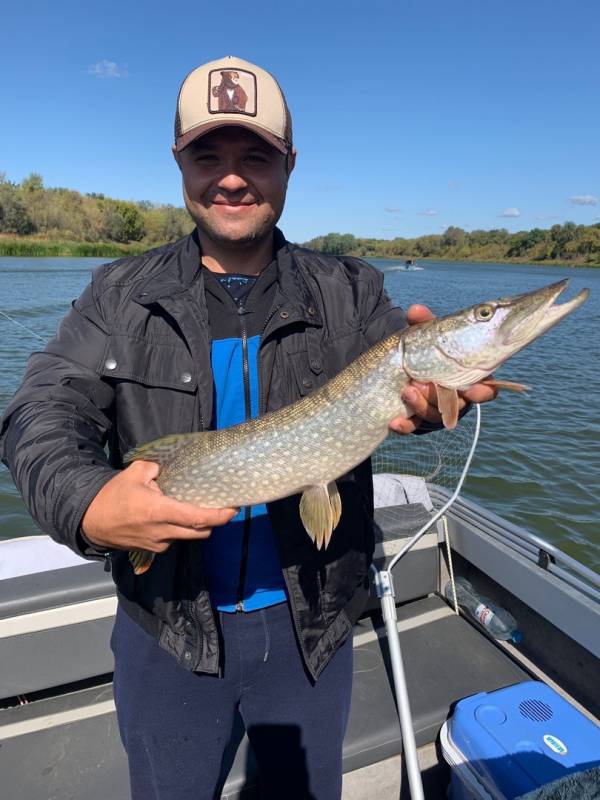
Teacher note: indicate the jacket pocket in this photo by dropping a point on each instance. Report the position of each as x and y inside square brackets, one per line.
[155, 389]
[155, 364]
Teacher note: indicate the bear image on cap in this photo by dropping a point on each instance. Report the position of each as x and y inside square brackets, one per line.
[230, 93]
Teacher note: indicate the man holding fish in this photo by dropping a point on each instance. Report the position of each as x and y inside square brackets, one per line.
[239, 611]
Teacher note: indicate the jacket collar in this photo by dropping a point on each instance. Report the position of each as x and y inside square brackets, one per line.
[178, 270]
[181, 268]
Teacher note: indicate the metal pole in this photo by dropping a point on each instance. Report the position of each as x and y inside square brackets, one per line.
[385, 591]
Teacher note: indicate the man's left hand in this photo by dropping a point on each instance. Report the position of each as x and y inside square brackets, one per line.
[422, 397]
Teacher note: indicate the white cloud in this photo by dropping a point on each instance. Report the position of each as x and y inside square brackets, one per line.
[511, 212]
[584, 200]
[107, 69]
[428, 213]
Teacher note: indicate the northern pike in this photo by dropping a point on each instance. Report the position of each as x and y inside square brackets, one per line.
[299, 448]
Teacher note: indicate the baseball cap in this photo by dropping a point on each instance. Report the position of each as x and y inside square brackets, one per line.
[231, 91]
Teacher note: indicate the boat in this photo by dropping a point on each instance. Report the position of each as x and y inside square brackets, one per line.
[58, 731]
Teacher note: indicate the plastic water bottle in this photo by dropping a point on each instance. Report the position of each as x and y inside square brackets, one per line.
[496, 620]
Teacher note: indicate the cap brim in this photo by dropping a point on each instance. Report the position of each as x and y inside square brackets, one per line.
[200, 130]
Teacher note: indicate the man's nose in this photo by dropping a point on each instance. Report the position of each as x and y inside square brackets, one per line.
[233, 181]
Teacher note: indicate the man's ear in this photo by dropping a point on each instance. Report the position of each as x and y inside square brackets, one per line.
[176, 156]
[290, 161]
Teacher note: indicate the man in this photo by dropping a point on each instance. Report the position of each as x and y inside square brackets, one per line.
[228, 323]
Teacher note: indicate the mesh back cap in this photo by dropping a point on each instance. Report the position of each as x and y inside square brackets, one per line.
[231, 91]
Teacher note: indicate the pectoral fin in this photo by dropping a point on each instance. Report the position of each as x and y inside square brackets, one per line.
[320, 511]
[513, 387]
[447, 405]
[140, 560]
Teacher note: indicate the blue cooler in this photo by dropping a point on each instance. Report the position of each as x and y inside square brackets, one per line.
[506, 743]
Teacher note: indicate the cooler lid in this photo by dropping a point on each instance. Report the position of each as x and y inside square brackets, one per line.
[523, 736]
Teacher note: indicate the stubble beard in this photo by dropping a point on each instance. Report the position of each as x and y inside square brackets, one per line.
[232, 240]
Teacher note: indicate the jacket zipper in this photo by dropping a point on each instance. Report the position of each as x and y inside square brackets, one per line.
[262, 402]
[239, 606]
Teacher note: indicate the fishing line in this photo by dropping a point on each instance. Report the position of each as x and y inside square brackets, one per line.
[20, 324]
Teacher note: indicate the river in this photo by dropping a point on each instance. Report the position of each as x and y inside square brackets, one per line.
[538, 460]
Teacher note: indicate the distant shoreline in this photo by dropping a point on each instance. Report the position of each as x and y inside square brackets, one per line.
[519, 261]
[28, 247]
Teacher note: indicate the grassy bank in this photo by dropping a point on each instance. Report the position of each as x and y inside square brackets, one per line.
[34, 246]
[28, 247]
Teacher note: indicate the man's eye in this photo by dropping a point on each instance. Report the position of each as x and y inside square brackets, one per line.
[256, 158]
[205, 158]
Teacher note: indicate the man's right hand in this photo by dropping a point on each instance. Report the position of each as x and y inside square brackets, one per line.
[130, 512]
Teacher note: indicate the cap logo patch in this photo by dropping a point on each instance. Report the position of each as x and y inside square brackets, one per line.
[231, 91]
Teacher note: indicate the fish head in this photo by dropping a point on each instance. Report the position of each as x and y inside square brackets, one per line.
[461, 349]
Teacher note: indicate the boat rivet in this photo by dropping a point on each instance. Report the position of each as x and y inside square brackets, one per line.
[186, 377]
[188, 623]
[110, 363]
[187, 655]
[284, 314]
[311, 311]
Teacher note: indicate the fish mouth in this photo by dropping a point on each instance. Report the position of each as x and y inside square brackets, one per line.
[531, 314]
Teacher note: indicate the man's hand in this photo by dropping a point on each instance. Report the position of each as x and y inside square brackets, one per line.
[130, 512]
[422, 397]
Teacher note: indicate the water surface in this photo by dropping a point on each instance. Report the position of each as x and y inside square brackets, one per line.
[538, 461]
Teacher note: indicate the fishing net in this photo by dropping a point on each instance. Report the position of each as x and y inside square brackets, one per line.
[416, 479]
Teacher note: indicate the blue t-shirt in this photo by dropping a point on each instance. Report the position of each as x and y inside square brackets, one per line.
[262, 583]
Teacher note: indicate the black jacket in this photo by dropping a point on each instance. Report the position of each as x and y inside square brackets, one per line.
[131, 362]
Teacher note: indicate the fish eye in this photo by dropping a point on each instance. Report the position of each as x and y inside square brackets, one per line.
[484, 312]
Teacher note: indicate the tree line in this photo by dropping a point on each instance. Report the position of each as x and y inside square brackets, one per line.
[31, 209]
[579, 244]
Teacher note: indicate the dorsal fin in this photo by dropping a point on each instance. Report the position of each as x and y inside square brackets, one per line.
[162, 451]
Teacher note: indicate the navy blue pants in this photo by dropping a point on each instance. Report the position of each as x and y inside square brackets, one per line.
[176, 724]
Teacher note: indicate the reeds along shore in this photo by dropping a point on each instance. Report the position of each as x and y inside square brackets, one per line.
[29, 247]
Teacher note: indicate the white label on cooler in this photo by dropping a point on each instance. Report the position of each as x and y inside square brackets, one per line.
[484, 614]
[555, 744]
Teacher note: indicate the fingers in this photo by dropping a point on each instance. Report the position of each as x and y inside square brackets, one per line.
[422, 398]
[188, 515]
[405, 425]
[144, 471]
[131, 512]
[480, 393]
[417, 312]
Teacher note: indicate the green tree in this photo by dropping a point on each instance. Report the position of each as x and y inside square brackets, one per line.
[13, 211]
[123, 221]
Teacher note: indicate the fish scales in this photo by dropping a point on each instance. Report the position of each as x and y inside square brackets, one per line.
[326, 433]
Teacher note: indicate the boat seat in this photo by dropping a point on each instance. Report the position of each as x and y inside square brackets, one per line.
[31, 554]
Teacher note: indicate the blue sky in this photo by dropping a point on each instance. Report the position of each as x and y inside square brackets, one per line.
[409, 115]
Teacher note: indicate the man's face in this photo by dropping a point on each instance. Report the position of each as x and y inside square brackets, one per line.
[234, 185]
